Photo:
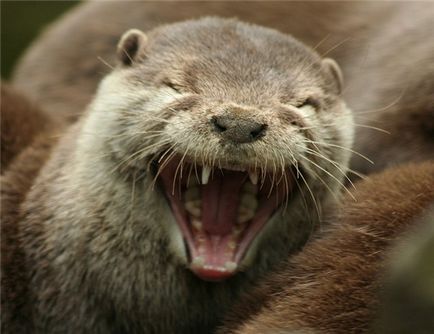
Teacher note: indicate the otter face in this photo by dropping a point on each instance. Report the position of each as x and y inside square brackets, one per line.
[242, 127]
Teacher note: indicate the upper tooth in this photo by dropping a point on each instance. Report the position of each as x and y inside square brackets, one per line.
[253, 175]
[206, 171]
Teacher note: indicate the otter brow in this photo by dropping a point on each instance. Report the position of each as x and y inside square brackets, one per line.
[184, 103]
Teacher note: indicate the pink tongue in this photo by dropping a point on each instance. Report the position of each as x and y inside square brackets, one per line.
[220, 201]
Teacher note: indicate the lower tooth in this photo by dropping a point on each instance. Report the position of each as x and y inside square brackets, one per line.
[245, 215]
[198, 261]
[196, 224]
[193, 208]
[236, 231]
[230, 266]
[232, 245]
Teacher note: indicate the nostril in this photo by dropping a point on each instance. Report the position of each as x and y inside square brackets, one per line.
[236, 129]
[259, 131]
[216, 122]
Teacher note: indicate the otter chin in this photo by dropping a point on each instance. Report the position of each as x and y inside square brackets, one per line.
[220, 210]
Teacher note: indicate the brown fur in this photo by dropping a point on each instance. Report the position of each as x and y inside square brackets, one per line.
[98, 240]
[407, 302]
[391, 86]
[385, 51]
[15, 184]
[333, 285]
[73, 71]
[71, 88]
[27, 136]
[21, 122]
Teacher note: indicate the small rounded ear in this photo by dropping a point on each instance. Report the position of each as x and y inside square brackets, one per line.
[130, 46]
[330, 66]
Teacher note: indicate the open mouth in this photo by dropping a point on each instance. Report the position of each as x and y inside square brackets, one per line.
[220, 211]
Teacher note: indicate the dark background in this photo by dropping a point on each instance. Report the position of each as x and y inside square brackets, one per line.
[21, 22]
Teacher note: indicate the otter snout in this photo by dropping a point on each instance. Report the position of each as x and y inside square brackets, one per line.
[238, 130]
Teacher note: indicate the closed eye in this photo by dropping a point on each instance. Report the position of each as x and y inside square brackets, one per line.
[309, 102]
[172, 85]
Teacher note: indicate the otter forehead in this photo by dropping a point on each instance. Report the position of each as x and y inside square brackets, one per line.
[219, 56]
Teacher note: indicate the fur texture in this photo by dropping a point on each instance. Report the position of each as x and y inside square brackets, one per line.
[384, 48]
[407, 302]
[102, 250]
[28, 134]
[383, 38]
[334, 285]
[21, 122]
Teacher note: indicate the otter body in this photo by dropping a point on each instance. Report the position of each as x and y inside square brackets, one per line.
[127, 221]
[335, 285]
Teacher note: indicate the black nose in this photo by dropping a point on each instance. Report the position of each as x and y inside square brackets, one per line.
[238, 130]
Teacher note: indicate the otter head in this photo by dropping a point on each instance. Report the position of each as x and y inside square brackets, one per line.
[241, 128]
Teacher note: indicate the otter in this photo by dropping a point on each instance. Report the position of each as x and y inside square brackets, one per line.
[336, 284]
[205, 158]
[407, 302]
[27, 135]
[21, 122]
[398, 47]
[385, 49]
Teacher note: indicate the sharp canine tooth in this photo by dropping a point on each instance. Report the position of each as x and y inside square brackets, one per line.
[206, 171]
[253, 175]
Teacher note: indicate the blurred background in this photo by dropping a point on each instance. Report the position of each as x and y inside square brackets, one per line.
[21, 22]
